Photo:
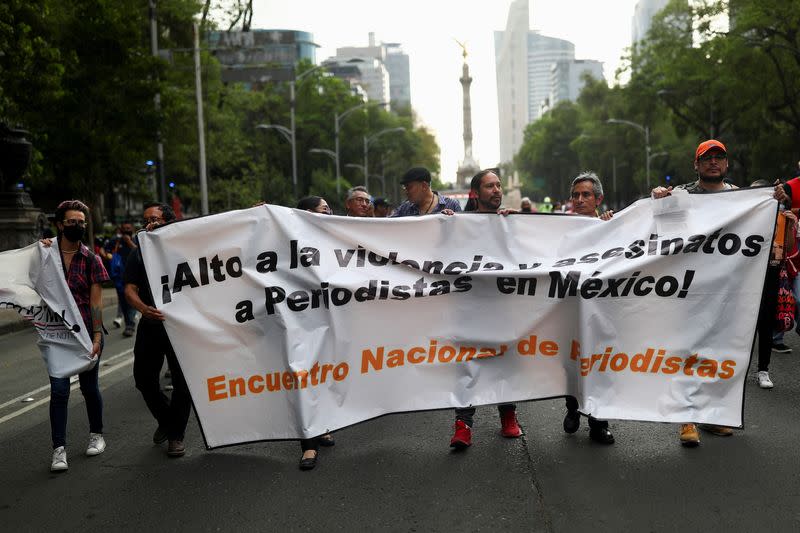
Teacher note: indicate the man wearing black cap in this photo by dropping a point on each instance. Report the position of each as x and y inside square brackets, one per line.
[421, 199]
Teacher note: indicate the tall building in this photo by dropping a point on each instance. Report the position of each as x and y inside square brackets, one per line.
[567, 78]
[523, 62]
[260, 56]
[643, 15]
[394, 60]
[371, 75]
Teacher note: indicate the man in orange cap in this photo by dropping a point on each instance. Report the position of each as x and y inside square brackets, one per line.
[711, 165]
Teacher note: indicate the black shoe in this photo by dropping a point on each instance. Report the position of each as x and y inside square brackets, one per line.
[159, 436]
[601, 435]
[176, 448]
[326, 440]
[781, 348]
[572, 421]
[308, 463]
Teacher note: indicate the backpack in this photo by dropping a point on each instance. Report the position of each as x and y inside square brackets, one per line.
[785, 310]
[116, 270]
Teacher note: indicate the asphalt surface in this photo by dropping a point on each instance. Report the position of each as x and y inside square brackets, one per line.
[395, 473]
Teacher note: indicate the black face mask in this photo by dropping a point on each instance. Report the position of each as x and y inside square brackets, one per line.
[74, 233]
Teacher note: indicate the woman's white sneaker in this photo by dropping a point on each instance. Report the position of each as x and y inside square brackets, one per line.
[763, 380]
[97, 444]
[59, 463]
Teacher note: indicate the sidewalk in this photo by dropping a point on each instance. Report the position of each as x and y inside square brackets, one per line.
[11, 321]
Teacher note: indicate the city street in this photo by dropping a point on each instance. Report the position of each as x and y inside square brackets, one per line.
[395, 473]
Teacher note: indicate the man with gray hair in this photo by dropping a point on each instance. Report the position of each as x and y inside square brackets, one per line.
[358, 202]
[587, 195]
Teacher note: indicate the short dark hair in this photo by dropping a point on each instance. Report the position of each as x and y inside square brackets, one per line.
[70, 205]
[166, 211]
[309, 203]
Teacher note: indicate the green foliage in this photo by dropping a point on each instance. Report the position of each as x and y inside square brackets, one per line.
[688, 82]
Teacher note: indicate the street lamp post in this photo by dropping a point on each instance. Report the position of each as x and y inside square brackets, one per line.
[368, 141]
[646, 131]
[333, 155]
[290, 133]
[337, 121]
[287, 134]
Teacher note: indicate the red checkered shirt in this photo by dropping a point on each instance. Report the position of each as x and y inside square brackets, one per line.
[84, 270]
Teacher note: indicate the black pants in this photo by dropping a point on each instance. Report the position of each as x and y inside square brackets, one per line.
[309, 444]
[466, 414]
[765, 326]
[152, 345]
[572, 405]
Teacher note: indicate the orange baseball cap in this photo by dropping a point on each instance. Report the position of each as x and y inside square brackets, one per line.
[705, 146]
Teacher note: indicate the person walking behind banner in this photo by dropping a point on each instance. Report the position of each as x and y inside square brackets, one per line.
[121, 251]
[358, 203]
[587, 196]
[84, 272]
[486, 190]
[310, 447]
[152, 345]
[421, 200]
[711, 165]
[783, 245]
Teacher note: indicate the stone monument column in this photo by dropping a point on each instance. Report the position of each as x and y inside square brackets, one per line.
[468, 167]
[20, 222]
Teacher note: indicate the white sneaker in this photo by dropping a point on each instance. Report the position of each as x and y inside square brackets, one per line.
[59, 463]
[118, 322]
[763, 380]
[97, 444]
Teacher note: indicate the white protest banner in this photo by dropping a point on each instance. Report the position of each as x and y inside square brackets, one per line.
[32, 283]
[289, 324]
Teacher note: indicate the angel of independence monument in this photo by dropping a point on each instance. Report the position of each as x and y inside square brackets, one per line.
[468, 167]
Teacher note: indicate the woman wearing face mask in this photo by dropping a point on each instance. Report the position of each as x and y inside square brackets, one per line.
[84, 273]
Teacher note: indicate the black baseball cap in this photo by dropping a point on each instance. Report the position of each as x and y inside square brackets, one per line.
[416, 174]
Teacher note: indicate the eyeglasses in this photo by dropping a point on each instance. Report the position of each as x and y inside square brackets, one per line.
[715, 157]
[360, 200]
[75, 222]
[151, 220]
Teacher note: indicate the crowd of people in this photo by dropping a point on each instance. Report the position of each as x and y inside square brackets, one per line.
[85, 271]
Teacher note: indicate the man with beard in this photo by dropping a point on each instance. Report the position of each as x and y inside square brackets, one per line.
[587, 196]
[711, 165]
[486, 196]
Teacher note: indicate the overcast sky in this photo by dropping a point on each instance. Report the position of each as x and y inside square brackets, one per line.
[600, 29]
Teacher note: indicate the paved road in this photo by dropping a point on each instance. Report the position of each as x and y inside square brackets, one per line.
[396, 473]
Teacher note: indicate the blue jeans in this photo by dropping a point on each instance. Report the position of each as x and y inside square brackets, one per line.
[125, 310]
[59, 399]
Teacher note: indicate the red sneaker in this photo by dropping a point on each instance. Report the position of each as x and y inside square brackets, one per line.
[509, 425]
[462, 438]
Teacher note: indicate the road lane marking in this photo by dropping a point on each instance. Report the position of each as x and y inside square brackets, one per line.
[74, 386]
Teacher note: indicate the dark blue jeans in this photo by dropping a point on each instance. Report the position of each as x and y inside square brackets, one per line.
[125, 309]
[59, 399]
